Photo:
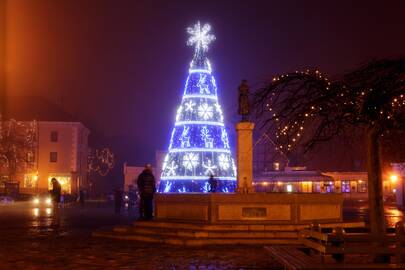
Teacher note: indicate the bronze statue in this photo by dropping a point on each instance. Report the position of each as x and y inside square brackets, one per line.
[244, 104]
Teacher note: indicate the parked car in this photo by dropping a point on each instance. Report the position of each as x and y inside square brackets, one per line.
[6, 200]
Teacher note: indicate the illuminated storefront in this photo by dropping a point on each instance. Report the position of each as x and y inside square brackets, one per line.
[64, 180]
[293, 181]
[353, 185]
[30, 180]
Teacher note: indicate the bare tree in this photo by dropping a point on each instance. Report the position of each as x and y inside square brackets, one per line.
[306, 108]
[17, 147]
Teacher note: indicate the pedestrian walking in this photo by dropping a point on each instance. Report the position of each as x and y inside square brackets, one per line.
[147, 188]
[118, 200]
[213, 183]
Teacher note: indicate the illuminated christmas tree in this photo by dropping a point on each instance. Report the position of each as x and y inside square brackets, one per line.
[199, 144]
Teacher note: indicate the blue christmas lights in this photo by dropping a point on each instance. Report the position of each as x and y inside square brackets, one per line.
[199, 143]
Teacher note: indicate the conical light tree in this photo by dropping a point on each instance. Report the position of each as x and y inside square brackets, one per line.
[199, 144]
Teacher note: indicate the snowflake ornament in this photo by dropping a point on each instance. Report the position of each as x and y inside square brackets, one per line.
[223, 162]
[205, 111]
[200, 36]
[171, 169]
[189, 106]
[190, 160]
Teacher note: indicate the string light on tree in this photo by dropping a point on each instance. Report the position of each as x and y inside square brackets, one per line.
[199, 143]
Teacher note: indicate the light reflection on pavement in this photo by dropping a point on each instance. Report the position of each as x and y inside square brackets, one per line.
[360, 211]
[37, 238]
[34, 238]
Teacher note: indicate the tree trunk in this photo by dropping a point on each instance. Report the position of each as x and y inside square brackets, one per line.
[375, 189]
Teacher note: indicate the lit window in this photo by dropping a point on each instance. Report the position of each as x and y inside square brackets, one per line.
[346, 186]
[53, 157]
[54, 136]
[362, 186]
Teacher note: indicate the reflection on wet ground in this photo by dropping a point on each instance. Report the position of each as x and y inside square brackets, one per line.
[360, 211]
[41, 238]
[34, 238]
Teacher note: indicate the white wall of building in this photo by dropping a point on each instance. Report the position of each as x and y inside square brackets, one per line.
[70, 148]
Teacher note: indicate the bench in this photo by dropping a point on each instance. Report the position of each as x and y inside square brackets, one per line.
[291, 257]
[338, 243]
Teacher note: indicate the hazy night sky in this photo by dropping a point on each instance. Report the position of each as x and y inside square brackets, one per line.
[120, 66]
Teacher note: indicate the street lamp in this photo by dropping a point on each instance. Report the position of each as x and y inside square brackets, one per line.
[393, 178]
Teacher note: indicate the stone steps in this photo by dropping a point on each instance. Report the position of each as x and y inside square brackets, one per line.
[193, 234]
[189, 241]
[239, 227]
[220, 234]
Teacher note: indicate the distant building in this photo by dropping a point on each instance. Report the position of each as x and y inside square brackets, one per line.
[352, 184]
[62, 152]
[131, 174]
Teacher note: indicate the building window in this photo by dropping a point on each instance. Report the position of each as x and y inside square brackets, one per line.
[30, 180]
[54, 136]
[328, 187]
[316, 187]
[346, 186]
[362, 186]
[53, 157]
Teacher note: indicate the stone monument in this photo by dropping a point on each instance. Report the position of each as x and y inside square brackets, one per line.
[244, 152]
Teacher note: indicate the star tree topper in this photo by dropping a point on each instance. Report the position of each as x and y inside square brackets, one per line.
[200, 37]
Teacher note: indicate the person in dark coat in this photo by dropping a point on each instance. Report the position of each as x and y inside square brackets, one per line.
[56, 196]
[147, 188]
[81, 198]
[213, 183]
[56, 191]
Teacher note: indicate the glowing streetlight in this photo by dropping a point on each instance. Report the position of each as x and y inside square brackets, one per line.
[394, 178]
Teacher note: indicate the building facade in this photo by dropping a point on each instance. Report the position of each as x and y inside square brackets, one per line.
[61, 152]
[131, 174]
[353, 185]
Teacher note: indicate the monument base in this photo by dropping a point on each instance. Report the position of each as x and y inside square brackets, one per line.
[274, 208]
[227, 219]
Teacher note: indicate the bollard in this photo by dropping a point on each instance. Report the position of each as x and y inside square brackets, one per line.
[400, 235]
[338, 241]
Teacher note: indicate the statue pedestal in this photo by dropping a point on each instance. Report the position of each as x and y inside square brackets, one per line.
[244, 156]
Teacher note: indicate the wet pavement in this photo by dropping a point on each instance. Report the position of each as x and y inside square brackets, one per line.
[33, 238]
[30, 238]
[359, 211]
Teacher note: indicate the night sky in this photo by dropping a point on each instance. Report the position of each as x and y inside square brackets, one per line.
[120, 66]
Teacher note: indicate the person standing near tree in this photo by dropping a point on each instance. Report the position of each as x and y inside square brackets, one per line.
[147, 188]
[213, 183]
